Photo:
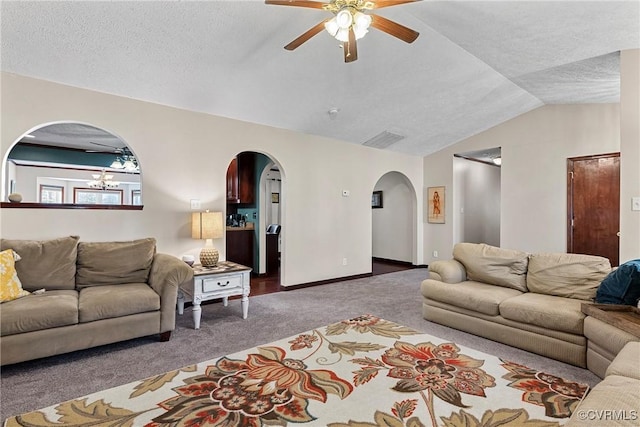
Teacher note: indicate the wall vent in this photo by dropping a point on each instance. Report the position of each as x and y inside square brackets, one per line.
[383, 140]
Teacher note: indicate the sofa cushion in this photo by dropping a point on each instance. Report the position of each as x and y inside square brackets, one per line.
[112, 263]
[49, 264]
[612, 402]
[606, 336]
[556, 313]
[51, 309]
[627, 362]
[10, 285]
[475, 296]
[567, 275]
[496, 266]
[621, 286]
[104, 302]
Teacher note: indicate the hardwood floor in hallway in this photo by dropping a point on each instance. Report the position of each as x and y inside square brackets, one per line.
[261, 285]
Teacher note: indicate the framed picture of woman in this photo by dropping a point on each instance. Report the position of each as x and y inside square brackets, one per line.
[435, 205]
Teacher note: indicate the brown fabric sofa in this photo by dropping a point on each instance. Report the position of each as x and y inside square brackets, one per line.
[95, 293]
[529, 301]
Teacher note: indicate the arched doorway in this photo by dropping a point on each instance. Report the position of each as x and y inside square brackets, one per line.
[70, 164]
[394, 215]
[255, 201]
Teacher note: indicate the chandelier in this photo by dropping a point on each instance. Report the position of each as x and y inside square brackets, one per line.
[103, 181]
[126, 163]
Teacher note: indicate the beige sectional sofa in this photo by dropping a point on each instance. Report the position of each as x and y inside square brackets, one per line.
[95, 293]
[616, 400]
[529, 301]
[534, 302]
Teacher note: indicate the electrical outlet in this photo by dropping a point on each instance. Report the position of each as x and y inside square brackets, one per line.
[344, 261]
[635, 203]
[195, 204]
[435, 254]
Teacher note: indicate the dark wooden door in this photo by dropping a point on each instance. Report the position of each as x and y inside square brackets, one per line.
[594, 206]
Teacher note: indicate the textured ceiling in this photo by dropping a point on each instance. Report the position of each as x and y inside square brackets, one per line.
[475, 64]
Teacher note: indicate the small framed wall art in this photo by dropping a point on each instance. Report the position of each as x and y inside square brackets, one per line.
[376, 200]
[435, 205]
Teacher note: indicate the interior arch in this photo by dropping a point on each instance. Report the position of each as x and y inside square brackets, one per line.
[268, 207]
[394, 224]
[71, 164]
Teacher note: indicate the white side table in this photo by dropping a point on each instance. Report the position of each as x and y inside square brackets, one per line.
[222, 281]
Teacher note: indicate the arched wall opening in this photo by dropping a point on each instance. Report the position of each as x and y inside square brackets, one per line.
[71, 164]
[265, 207]
[394, 234]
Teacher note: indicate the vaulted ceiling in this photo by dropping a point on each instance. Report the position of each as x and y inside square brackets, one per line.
[475, 64]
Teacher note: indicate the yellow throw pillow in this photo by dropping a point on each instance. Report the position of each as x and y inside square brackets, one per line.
[10, 286]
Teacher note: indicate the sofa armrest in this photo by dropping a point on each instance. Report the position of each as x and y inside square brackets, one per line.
[448, 271]
[166, 276]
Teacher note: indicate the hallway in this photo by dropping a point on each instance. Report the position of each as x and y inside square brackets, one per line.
[261, 285]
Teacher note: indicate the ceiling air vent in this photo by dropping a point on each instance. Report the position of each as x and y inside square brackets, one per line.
[383, 140]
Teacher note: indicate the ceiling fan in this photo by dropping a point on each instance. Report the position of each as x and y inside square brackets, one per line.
[113, 149]
[350, 22]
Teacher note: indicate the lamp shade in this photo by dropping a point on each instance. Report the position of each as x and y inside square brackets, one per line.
[206, 225]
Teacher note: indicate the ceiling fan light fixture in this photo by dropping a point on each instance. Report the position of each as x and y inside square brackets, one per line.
[361, 22]
[129, 165]
[342, 35]
[116, 164]
[344, 19]
[331, 26]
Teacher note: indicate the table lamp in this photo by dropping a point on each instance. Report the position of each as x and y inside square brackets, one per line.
[207, 225]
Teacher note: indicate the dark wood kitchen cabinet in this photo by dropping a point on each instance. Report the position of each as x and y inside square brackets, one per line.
[241, 177]
[240, 246]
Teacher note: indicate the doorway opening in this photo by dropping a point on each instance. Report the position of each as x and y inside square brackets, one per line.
[476, 196]
[393, 223]
[254, 218]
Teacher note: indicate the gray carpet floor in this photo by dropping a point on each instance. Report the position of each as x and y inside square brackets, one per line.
[395, 296]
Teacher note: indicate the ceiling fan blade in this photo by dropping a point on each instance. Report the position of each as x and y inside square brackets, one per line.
[393, 28]
[306, 36]
[350, 48]
[386, 3]
[298, 3]
[105, 145]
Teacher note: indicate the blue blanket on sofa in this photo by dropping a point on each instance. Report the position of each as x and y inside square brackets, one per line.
[621, 286]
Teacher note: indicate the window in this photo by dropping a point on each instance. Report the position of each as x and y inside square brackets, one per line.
[89, 196]
[136, 198]
[51, 194]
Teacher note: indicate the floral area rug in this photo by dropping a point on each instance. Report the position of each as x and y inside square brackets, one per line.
[360, 372]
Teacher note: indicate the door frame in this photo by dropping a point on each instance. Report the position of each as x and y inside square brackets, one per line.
[570, 162]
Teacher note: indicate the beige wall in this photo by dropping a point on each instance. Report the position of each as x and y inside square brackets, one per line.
[184, 155]
[629, 153]
[535, 147]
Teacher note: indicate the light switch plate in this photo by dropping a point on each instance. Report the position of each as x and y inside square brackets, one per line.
[635, 203]
[195, 204]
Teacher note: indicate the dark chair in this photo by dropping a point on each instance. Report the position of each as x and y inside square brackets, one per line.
[273, 229]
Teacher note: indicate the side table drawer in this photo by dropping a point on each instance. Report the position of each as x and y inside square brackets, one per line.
[221, 283]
